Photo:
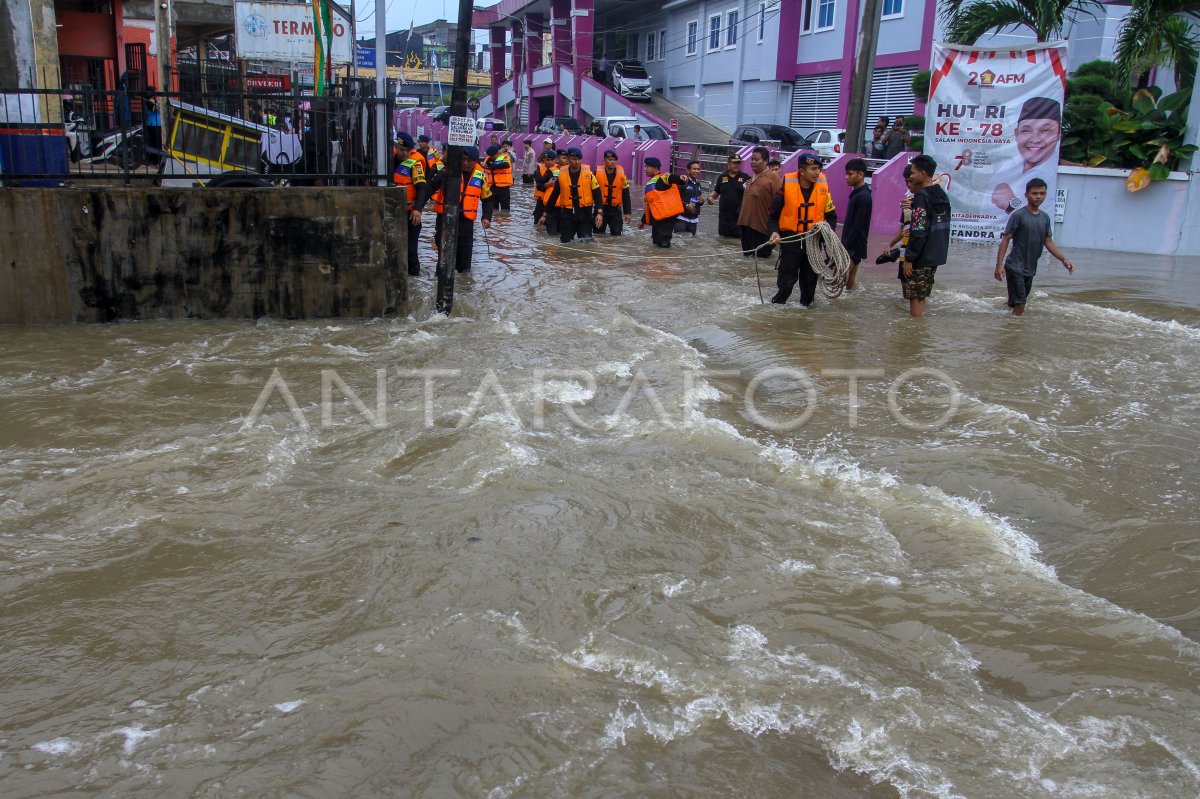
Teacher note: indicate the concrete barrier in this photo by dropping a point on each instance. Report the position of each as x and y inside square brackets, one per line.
[102, 254]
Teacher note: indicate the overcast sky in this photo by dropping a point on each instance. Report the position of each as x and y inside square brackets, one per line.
[400, 13]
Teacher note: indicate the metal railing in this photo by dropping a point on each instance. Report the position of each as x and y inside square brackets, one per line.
[80, 134]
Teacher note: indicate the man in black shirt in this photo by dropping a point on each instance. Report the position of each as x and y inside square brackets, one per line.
[730, 187]
[929, 241]
[858, 218]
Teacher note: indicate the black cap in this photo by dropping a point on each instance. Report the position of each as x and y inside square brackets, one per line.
[1040, 108]
[404, 140]
[471, 152]
[652, 161]
[575, 151]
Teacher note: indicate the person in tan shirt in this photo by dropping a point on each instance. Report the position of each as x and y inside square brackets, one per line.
[755, 216]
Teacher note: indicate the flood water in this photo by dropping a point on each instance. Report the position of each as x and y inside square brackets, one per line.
[614, 529]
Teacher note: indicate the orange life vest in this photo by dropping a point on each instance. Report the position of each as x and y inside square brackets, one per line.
[554, 170]
[586, 182]
[663, 203]
[500, 168]
[408, 174]
[612, 192]
[433, 164]
[472, 192]
[798, 216]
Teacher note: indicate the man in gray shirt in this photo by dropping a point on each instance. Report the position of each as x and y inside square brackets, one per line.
[1028, 231]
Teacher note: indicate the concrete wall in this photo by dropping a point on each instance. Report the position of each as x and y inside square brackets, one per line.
[101, 254]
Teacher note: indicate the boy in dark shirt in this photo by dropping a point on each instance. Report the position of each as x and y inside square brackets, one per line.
[1028, 230]
[929, 240]
[858, 218]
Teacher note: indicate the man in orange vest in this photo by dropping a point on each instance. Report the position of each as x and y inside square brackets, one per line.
[410, 175]
[615, 209]
[432, 162]
[576, 195]
[545, 183]
[541, 183]
[498, 165]
[802, 203]
[474, 203]
[664, 202]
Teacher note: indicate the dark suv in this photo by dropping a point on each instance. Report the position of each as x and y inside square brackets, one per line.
[788, 138]
[552, 124]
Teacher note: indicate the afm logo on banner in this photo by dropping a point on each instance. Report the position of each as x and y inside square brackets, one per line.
[987, 79]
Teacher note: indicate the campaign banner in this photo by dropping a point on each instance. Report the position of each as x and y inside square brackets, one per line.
[993, 123]
[284, 32]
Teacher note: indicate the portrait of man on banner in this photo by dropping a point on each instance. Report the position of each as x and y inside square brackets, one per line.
[1038, 135]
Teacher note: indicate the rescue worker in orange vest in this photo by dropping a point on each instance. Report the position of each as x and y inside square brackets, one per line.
[498, 165]
[546, 183]
[541, 182]
[616, 209]
[664, 202]
[474, 203]
[576, 195]
[410, 175]
[432, 163]
[803, 202]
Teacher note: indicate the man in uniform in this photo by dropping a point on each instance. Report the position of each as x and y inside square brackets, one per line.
[803, 202]
[474, 202]
[544, 184]
[409, 174]
[663, 202]
[432, 162]
[498, 165]
[693, 200]
[616, 208]
[729, 188]
[576, 195]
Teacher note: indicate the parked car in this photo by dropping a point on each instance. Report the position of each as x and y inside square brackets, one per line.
[630, 79]
[756, 133]
[624, 129]
[552, 124]
[490, 124]
[828, 142]
[440, 113]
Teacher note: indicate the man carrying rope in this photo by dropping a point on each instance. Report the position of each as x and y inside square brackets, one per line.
[803, 202]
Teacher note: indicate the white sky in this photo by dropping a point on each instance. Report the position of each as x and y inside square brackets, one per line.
[401, 12]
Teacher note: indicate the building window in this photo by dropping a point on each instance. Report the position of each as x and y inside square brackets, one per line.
[714, 33]
[651, 40]
[693, 36]
[662, 45]
[762, 21]
[825, 9]
[806, 17]
[731, 22]
[893, 8]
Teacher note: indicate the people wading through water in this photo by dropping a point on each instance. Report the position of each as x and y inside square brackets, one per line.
[727, 193]
[616, 207]
[663, 202]
[803, 202]
[409, 175]
[474, 203]
[576, 195]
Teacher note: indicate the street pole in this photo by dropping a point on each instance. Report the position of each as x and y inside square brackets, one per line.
[163, 29]
[382, 126]
[452, 182]
[860, 83]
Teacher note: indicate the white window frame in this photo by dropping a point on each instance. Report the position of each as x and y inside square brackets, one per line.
[731, 28]
[897, 14]
[651, 46]
[807, 13]
[662, 44]
[693, 36]
[762, 21]
[817, 28]
[708, 46]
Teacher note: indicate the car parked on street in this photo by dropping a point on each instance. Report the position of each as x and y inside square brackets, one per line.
[828, 142]
[551, 125]
[623, 129]
[630, 79]
[756, 133]
[440, 113]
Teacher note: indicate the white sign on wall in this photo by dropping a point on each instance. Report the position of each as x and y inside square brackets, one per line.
[284, 32]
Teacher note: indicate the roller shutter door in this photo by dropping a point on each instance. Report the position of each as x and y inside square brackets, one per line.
[815, 101]
[891, 93]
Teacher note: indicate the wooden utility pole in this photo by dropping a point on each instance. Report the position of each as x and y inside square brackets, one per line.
[452, 180]
[860, 83]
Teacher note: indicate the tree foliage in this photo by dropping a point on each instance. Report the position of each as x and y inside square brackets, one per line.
[968, 20]
[1158, 33]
